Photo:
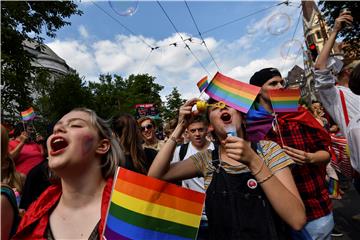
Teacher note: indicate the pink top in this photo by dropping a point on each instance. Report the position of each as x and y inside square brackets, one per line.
[29, 156]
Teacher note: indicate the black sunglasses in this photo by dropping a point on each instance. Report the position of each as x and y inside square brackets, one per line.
[148, 127]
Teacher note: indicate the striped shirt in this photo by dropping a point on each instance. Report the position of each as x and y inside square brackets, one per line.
[273, 155]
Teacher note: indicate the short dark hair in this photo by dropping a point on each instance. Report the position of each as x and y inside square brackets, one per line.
[198, 119]
[354, 81]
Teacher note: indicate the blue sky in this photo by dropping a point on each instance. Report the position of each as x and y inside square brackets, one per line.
[96, 43]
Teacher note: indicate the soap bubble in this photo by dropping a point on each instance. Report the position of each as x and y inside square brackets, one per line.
[278, 23]
[291, 49]
[124, 8]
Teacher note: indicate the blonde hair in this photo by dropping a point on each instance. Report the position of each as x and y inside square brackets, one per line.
[111, 160]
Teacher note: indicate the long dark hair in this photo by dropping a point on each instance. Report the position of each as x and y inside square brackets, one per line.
[128, 134]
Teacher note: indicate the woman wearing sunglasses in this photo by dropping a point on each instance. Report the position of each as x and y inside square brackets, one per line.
[250, 192]
[147, 127]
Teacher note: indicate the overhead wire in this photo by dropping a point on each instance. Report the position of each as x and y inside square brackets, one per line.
[203, 41]
[125, 27]
[243, 17]
[292, 39]
[177, 31]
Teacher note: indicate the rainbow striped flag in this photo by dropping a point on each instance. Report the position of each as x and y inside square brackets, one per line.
[28, 114]
[333, 187]
[143, 207]
[285, 100]
[235, 94]
[203, 83]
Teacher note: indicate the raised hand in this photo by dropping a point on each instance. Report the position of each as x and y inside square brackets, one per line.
[239, 150]
[341, 21]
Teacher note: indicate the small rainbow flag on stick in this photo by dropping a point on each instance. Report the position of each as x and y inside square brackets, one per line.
[28, 114]
[203, 83]
[235, 94]
[285, 100]
[143, 207]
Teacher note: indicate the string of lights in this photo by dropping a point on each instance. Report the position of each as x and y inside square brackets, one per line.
[177, 31]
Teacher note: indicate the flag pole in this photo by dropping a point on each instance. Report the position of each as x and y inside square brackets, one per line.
[278, 128]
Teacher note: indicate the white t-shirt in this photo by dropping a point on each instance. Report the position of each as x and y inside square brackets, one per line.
[330, 98]
[196, 183]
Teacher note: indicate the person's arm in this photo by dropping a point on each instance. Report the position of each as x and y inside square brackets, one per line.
[321, 61]
[279, 187]
[7, 217]
[302, 157]
[14, 153]
[161, 168]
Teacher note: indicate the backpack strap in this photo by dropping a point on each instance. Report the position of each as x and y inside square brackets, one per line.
[343, 103]
[183, 150]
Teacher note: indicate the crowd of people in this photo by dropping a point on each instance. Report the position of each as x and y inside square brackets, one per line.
[277, 185]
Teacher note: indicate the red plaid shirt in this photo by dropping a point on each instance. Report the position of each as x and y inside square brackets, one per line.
[301, 131]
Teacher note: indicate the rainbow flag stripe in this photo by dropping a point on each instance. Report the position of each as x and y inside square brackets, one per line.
[28, 114]
[333, 187]
[285, 100]
[235, 94]
[142, 207]
[203, 83]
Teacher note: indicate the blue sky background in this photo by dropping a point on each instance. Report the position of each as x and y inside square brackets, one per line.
[96, 43]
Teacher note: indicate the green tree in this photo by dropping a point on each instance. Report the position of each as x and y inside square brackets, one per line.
[66, 93]
[108, 95]
[20, 21]
[331, 10]
[172, 105]
[113, 94]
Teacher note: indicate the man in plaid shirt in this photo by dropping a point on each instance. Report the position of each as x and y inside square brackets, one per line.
[307, 143]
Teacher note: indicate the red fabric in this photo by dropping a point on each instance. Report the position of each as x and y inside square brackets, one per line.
[343, 103]
[301, 131]
[36, 218]
[341, 161]
[29, 156]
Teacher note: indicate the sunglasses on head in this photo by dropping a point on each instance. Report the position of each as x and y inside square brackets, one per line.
[148, 127]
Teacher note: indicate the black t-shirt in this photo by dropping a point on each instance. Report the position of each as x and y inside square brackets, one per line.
[37, 180]
[150, 156]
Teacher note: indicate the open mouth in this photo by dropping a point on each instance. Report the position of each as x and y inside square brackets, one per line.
[58, 144]
[226, 117]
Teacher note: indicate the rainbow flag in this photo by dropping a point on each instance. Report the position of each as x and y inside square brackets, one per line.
[285, 100]
[333, 187]
[203, 83]
[235, 94]
[143, 207]
[28, 114]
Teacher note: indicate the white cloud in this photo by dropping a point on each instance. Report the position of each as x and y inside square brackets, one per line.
[83, 32]
[172, 66]
[76, 55]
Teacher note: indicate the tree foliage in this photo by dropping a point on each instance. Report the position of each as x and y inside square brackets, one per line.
[331, 10]
[113, 94]
[20, 21]
[172, 105]
[63, 95]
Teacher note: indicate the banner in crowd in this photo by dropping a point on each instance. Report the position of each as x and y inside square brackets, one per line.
[28, 114]
[285, 100]
[235, 94]
[143, 207]
[146, 110]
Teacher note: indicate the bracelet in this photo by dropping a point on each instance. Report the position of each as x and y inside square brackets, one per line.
[262, 166]
[266, 178]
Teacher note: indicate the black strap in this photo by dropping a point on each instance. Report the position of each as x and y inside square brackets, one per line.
[183, 150]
